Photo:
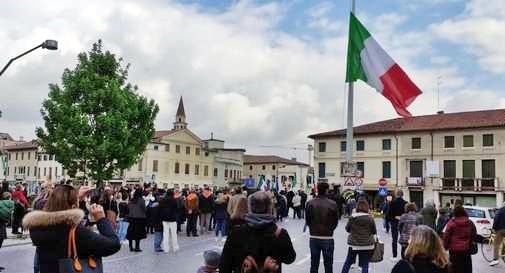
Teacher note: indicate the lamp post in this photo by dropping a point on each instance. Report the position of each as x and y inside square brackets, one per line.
[47, 44]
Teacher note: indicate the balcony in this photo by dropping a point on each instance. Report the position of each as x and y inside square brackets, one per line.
[414, 181]
[469, 184]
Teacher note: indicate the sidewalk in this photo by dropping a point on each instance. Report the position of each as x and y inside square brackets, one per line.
[16, 240]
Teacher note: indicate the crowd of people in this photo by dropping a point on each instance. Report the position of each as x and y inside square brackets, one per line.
[430, 240]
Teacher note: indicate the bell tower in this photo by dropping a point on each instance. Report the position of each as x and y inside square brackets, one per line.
[180, 117]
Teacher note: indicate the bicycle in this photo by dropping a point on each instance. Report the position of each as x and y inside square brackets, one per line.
[487, 247]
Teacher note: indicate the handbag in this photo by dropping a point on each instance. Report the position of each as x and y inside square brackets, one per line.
[473, 248]
[378, 251]
[72, 263]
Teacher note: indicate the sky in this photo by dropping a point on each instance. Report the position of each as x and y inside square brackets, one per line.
[257, 73]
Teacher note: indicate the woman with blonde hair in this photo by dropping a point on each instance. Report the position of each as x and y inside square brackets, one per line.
[239, 209]
[424, 254]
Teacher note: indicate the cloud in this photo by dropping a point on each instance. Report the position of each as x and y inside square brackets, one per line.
[241, 75]
[479, 30]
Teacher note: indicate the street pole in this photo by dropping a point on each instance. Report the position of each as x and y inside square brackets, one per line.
[350, 110]
[47, 44]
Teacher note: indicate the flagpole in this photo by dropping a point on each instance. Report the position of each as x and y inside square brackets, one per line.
[350, 110]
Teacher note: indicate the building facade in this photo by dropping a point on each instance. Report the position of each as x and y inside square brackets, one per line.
[271, 167]
[438, 157]
[179, 158]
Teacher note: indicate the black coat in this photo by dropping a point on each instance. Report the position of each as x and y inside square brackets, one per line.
[396, 208]
[258, 242]
[168, 209]
[420, 265]
[49, 233]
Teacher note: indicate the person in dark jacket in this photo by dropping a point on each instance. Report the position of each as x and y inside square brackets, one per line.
[385, 212]
[321, 216]
[459, 234]
[499, 228]
[361, 240]
[220, 207]
[396, 209]
[49, 230]
[443, 218]
[123, 216]
[181, 211]
[425, 253]
[157, 225]
[168, 214]
[137, 219]
[259, 242]
[304, 197]
[206, 205]
[289, 196]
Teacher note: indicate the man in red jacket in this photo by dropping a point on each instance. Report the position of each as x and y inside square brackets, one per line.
[19, 195]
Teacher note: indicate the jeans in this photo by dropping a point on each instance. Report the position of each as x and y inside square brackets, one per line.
[326, 246]
[220, 226]
[123, 228]
[387, 224]
[158, 237]
[170, 228]
[364, 260]
[204, 222]
[394, 235]
[191, 224]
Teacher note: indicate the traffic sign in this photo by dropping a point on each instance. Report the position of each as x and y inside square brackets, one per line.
[383, 191]
[383, 182]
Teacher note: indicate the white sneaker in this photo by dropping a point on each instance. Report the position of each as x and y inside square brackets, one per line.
[494, 262]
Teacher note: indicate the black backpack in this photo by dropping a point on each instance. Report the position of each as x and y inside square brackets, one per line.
[255, 249]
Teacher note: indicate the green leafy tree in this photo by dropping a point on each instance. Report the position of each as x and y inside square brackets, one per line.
[96, 122]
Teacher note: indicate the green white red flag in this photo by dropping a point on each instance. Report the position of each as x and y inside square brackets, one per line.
[367, 61]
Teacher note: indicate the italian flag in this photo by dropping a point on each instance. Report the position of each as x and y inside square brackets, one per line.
[367, 61]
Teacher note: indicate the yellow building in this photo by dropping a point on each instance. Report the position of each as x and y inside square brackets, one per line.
[179, 158]
[434, 157]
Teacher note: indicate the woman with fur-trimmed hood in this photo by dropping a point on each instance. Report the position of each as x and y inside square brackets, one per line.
[49, 230]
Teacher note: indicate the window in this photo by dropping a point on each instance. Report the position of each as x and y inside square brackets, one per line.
[156, 148]
[468, 141]
[29, 155]
[17, 156]
[215, 172]
[197, 151]
[273, 167]
[206, 170]
[448, 141]
[15, 170]
[188, 150]
[178, 149]
[155, 165]
[386, 144]
[468, 173]
[488, 173]
[226, 173]
[386, 169]
[186, 169]
[197, 169]
[45, 173]
[50, 157]
[45, 158]
[322, 147]
[416, 168]
[176, 170]
[39, 157]
[140, 164]
[360, 145]
[22, 155]
[34, 171]
[55, 171]
[28, 171]
[50, 172]
[167, 148]
[449, 168]
[416, 143]
[7, 173]
[263, 167]
[487, 140]
[9, 156]
[250, 167]
[322, 170]
[361, 166]
[343, 146]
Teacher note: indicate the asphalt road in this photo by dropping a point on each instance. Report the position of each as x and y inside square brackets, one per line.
[19, 259]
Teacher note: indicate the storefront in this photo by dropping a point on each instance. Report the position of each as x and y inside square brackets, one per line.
[481, 200]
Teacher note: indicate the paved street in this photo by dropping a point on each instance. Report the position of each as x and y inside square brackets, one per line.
[18, 259]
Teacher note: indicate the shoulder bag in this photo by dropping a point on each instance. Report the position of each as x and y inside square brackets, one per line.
[72, 263]
[378, 251]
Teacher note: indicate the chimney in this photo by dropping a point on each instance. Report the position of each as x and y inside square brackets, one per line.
[441, 112]
[211, 135]
[293, 158]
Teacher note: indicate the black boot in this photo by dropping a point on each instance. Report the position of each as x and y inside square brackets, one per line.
[130, 243]
[137, 246]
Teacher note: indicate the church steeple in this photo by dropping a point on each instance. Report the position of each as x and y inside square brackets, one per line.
[180, 117]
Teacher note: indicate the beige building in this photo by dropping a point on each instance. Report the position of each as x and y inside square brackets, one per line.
[5, 140]
[273, 167]
[434, 157]
[179, 158]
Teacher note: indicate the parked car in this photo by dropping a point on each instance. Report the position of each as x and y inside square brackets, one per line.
[482, 217]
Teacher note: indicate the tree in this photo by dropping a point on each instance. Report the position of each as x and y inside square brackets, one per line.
[96, 123]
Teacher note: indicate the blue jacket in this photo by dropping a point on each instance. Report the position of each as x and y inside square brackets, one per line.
[499, 219]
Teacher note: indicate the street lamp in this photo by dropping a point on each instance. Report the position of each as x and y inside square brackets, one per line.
[47, 44]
